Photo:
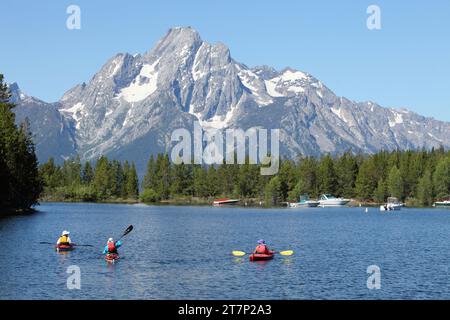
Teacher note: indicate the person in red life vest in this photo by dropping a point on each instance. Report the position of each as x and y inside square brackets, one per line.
[111, 246]
[262, 248]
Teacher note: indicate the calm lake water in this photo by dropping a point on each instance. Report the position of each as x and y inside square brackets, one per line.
[180, 252]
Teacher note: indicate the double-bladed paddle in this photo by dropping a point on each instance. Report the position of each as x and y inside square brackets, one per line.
[237, 253]
[73, 244]
[127, 231]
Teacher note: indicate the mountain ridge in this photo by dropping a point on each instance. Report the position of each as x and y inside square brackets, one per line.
[129, 107]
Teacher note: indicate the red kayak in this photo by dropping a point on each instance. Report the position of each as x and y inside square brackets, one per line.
[111, 257]
[64, 247]
[261, 257]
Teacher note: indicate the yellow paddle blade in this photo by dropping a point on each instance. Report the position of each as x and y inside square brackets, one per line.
[287, 253]
[238, 253]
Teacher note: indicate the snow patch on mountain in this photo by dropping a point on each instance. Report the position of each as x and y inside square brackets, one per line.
[271, 88]
[288, 81]
[143, 85]
[252, 82]
[338, 112]
[76, 112]
[398, 119]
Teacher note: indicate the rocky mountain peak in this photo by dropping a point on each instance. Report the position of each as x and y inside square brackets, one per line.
[130, 107]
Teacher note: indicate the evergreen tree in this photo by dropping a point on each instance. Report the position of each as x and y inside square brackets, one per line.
[226, 177]
[346, 172]
[212, 182]
[163, 176]
[125, 173]
[326, 176]
[273, 192]
[181, 183]
[71, 171]
[307, 179]
[88, 173]
[132, 183]
[395, 183]
[425, 189]
[380, 192]
[248, 180]
[366, 181]
[51, 175]
[441, 178]
[150, 175]
[287, 177]
[102, 183]
[200, 186]
[27, 176]
[20, 184]
[116, 176]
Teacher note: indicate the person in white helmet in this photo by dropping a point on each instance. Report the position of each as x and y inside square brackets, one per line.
[112, 246]
[64, 239]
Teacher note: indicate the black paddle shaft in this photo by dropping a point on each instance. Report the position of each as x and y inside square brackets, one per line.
[127, 231]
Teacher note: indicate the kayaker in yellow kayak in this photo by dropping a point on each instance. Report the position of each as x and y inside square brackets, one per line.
[262, 248]
[64, 239]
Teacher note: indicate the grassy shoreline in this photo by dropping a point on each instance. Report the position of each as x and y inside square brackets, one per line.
[194, 201]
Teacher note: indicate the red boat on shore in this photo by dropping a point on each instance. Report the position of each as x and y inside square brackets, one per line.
[225, 202]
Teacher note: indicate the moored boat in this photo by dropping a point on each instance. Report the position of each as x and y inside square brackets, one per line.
[442, 203]
[328, 200]
[391, 204]
[224, 202]
[304, 202]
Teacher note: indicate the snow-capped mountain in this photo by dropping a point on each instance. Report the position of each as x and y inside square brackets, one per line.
[129, 108]
[53, 134]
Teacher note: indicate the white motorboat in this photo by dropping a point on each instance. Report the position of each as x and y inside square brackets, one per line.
[442, 203]
[391, 204]
[328, 200]
[304, 202]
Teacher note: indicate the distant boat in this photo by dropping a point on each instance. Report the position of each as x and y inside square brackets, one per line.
[224, 202]
[391, 204]
[442, 203]
[328, 200]
[304, 202]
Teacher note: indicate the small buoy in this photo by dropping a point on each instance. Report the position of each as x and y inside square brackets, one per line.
[367, 210]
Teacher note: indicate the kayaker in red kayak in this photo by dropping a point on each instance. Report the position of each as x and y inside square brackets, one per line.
[262, 248]
[112, 246]
[64, 240]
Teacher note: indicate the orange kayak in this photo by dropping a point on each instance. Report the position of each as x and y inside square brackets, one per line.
[64, 247]
[261, 257]
[111, 257]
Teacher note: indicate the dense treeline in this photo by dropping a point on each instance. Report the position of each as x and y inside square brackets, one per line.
[75, 181]
[20, 184]
[418, 177]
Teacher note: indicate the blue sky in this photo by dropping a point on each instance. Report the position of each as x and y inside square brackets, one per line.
[405, 64]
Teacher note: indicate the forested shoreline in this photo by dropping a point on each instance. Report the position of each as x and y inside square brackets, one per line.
[417, 177]
[20, 184]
